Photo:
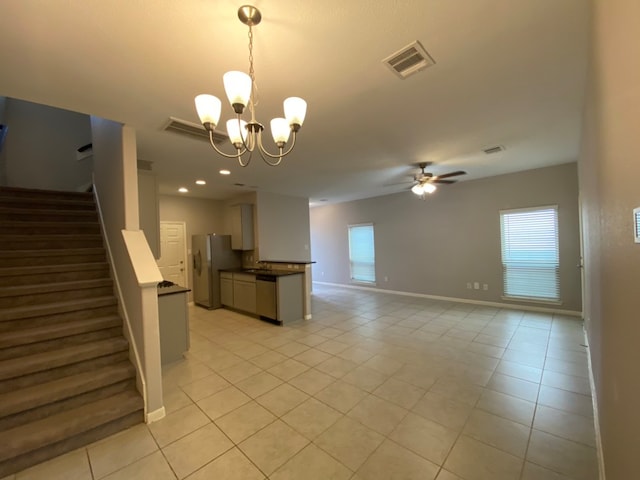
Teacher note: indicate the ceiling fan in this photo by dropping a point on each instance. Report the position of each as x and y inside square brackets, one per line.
[425, 181]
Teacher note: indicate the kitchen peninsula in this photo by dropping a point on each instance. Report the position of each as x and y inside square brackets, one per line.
[274, 295]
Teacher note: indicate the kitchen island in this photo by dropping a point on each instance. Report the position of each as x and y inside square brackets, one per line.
[273, 295]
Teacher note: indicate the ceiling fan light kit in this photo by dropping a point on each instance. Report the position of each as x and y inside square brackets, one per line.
[426, 181]
[240, 88]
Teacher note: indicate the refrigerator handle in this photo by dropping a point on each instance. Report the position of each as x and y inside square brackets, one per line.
[197, 262]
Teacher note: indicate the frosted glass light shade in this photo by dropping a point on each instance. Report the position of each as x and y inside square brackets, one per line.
[280, 130]
[295, 110]
[417, 189]
[237, 85]
[208, 108]
[237, 131]
[429, 188]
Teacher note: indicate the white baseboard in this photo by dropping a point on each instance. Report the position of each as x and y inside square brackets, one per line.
[156, 415]
[596, 416]
[558, 311]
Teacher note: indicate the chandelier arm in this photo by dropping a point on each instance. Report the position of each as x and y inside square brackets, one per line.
[281, 154]
[237, 155]
[248, 159]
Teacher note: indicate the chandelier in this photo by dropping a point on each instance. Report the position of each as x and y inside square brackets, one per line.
[241, 91]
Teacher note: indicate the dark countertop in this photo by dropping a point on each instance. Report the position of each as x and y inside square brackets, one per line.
[171, 290]
[257, 271]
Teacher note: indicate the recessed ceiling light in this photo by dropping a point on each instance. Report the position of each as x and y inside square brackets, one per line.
[200, 182]
[225, 172]
[183, 190]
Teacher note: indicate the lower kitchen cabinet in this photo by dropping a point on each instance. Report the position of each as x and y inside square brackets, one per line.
[278, 297]
[226, 289]
[244, 292]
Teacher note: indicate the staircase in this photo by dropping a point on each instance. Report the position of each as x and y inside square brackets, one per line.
[65, 375]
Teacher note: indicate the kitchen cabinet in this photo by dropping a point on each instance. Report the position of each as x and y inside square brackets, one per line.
[244, 292]
[226, 289]
[242, 227]
[290, 300]
[173, 317]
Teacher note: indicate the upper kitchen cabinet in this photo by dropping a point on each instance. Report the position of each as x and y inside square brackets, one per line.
[242, 227]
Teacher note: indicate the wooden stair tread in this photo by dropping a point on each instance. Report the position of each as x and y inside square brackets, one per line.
[16, 313]
[54, 287]
[32, 436]
[36, 269]
[41, 394]
[56, 252]
[27, 364]
[57, 330]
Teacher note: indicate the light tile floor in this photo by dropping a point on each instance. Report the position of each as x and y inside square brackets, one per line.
[376, 386]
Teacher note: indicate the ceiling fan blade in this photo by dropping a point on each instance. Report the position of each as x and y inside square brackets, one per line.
[443, 181]
[451, 174]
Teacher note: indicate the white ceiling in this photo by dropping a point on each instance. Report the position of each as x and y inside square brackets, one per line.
[507, 72]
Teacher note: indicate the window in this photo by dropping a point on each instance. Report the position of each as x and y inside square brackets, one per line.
[530, 259]
[362, 257]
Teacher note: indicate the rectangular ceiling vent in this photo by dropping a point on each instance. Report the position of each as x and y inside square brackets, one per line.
[496, 149]
[193, 130]
[409, 60]
[145, 165]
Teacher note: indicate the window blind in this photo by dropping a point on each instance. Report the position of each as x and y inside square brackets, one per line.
[530, 256]
[362, 253]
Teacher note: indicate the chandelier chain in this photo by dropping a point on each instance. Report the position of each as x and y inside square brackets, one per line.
[252, 73]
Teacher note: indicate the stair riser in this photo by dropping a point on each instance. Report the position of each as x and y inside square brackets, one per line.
[53, 205]
[43, 195]
[31, 215]
[55, 373]
[33, 322]
[40, 347]
[52, 242]
[59, 296]
[61, 405]
[54, 277]
[17, 464]
[32, 261]
[34, 228]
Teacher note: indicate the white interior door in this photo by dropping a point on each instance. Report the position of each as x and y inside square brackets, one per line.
[173, 254]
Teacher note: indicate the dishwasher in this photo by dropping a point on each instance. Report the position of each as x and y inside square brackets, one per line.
[266, 305]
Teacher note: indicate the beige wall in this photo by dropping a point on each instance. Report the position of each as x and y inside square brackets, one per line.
[199, 215]
[438, 245]
[283, 227]
[40, 149]
[609, 170]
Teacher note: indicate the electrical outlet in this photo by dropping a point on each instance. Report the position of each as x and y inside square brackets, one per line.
[476, 285]
[485, 286]
[469, 285]
[386, 279]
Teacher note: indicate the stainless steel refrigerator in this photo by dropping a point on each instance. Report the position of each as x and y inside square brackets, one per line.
[211, 253]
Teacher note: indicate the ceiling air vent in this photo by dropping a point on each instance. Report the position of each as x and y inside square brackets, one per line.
[496, 149]
[192, 130]
[409, 60]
